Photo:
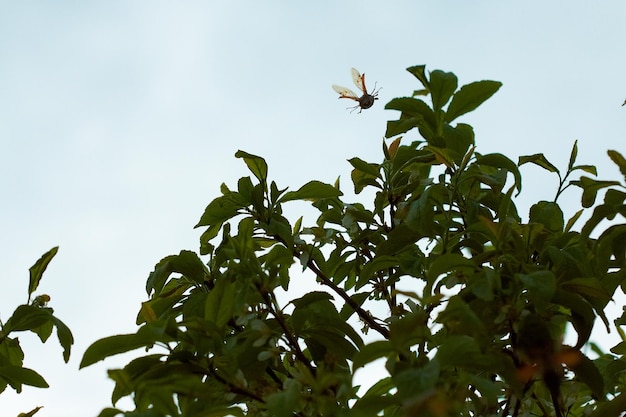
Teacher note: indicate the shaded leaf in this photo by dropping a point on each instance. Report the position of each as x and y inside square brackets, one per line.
[414, 382]
[371, 352]
[582, 315]
[587, 287]
[588, 373]
[459, 351]
[541, 286]
[220, 303]
[347, 310]
[285, 402]
[447, 263]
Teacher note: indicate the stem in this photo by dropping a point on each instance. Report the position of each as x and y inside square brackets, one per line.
[364, 315]
[235, 388]
[293, 342]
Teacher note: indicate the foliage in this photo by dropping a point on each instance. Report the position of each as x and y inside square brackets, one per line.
[465, 302]
[35, 316]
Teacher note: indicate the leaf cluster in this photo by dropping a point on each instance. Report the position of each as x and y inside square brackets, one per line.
[37, 317]
[465, 302]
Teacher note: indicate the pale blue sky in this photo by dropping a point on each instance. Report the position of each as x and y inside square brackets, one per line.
[119, 120]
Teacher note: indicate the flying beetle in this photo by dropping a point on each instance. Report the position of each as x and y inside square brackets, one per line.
[366, 100]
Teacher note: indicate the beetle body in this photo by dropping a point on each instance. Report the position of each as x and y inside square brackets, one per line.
[365, 100]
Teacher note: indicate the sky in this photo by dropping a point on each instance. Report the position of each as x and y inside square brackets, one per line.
[119, 121]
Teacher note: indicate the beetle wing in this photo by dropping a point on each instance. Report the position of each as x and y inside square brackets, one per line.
[345, 92]
[359, 80]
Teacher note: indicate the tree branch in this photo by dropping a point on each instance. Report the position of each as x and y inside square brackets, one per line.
[293, 342]
[364, 315]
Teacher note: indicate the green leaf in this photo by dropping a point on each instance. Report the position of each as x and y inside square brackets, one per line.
[419, 71]
[573, 155]
[619, 349]
[398, 239]
[45, 330]
[590, 189]
[110, 412]
[223, 208]
[27, 317]
[459, 351]
[587, 287]
[17, 376]
[37, 270]
[312, 191]
[347, 310]
[613, 408]
[31, 413]
[186, 263]
[589, 169]
[450, 262]
[275, 193]
[379, 263]
[286, 402]
[538, 159]
[498, 160]
[220, 303]
[541, 287]
[113, 345]
[311, 298]
[370, 353]
[411, 106]
[588, 373]
[582, 315]
[408, 331]
[549, 214]
[619, 160]
[416, 382]
[256, 165]
[362, 179]
[442, 86]
[573, 220]
[459, 318]
[65, 338]
[397, 127]
[245, 188]
[332, 339]
[469, 97]
[368, 168]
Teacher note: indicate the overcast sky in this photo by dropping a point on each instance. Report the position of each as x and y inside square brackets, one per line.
[119, 120]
